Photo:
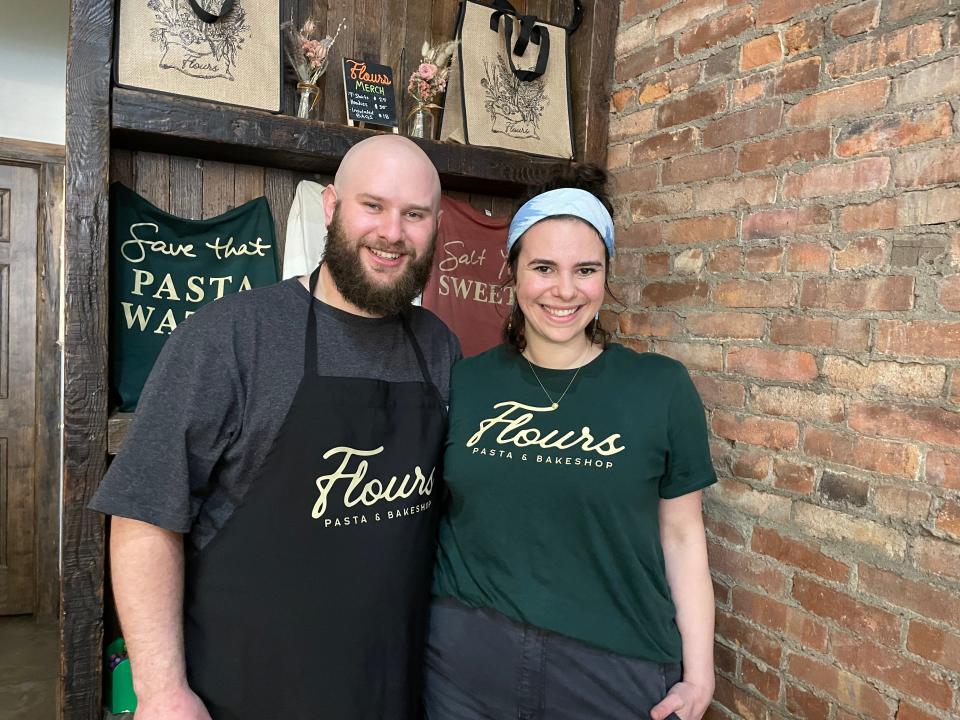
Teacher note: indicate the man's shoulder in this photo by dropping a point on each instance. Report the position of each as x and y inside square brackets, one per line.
[243, 308]
[430, 328]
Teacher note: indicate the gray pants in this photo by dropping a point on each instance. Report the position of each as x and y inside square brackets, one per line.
[483, 665]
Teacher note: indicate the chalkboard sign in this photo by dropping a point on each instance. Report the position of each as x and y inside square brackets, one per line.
[368, 91]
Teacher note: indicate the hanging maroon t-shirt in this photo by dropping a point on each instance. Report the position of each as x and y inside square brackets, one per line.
[467, 288]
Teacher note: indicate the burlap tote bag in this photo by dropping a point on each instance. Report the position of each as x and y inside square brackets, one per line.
[509, 81]
[226, 51]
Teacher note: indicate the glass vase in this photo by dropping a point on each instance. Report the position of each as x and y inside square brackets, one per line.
[308, 101]
[422, 123]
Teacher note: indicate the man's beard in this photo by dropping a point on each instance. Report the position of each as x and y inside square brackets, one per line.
[342, 257]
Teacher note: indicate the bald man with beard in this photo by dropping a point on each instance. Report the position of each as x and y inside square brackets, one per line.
[275, 502]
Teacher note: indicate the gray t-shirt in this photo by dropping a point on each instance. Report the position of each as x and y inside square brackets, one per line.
[221, 388]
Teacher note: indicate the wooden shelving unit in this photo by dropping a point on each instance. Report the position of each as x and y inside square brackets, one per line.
[160, 123]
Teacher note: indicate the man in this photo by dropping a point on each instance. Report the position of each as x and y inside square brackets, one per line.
[275, 500]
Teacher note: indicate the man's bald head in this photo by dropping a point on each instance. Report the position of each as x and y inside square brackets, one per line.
[390, 157]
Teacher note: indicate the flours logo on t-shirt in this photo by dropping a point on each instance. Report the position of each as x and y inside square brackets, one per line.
[515, 430]
[367, 496]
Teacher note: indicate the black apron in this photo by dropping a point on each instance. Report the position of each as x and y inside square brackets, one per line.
[311, 602]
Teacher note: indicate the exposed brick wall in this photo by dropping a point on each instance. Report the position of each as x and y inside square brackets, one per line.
[787, 178]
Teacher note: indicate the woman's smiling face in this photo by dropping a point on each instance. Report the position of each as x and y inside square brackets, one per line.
[561, 275]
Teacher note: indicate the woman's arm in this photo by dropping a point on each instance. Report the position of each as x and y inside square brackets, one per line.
[685, 554]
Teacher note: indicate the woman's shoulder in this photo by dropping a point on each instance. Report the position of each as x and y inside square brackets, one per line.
[649, 363]
[488, 362]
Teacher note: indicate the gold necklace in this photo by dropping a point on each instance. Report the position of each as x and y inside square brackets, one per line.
[554, 404]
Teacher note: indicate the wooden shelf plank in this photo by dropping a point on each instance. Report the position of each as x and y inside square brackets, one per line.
[161, 123]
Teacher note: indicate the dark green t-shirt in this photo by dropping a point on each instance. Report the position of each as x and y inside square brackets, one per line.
[553, 513]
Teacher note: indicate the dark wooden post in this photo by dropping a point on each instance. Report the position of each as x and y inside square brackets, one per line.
[85, 350]
[591, 77]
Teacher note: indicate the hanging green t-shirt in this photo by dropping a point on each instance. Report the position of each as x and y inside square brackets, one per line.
[553, 512]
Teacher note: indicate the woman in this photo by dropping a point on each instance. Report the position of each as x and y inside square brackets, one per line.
[572, 577]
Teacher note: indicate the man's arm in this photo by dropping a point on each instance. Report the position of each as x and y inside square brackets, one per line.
[685, 555]
[146, 563]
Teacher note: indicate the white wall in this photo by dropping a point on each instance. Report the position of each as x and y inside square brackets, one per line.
[33, 66]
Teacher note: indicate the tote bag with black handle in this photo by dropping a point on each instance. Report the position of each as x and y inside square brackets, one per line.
[226, 51]
[509, 81]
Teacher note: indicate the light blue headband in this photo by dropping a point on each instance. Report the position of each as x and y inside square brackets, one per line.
[563, 201]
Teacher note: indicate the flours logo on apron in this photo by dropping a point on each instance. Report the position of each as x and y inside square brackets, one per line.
[364, 492]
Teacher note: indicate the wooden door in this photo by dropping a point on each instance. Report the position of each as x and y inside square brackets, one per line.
[19, 192]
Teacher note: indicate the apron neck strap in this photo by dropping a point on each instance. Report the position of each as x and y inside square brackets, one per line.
[424, 369]
[310, 344]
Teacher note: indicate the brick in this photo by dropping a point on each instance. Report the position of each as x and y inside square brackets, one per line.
[671, 202]
[724, 659]
[856, 99]
[762, 51]
[881, 294]
[772, 12]
[726, 325]
[756, 642]
[743, 498]
[635, 8]
[839, 684]
[855, 19]
[675, 293]
[902, 503]
[808, 257]
[633, 37]
[805, 705]
[910, 379]
[730, 194]
[862, 254]
[862, 452]
[900, 9]
[841, 488]
[827, 524]
[918, 339]
[714, 391]
[721, 65]
[804, 36]
[795, 403]
[877, 624]
[665, 145]
[724, 530]
[930, 166]
[656, 324]
[779, 617]
[686, 13]
[692, 107]
[948, 518]
[912, 422]
[798, 554]
[656, 265]
[623, 127]
[714, 32]
[851, 177]
[805, 146]
[642, 61]
[618, 156]
[765, 682]
[934, 80]
[695, 356]
[740, 702]
[955, 389]
[792, 77]
[879, 215]
[694, 231]
[907, 711]
[763, 259]
[750, 465]
[639, 235]
[699, 167]
[743, 125]
[725, 259]
[777, 434]
[755, 293]
[892, 668]
[745, 569]
[659, 86]
[793, 477]
[623, 97]
[634, 180]
[920, 596]
[888, 50]
[940, 557]
[786, 222]
[852, 335]
[892, 131]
